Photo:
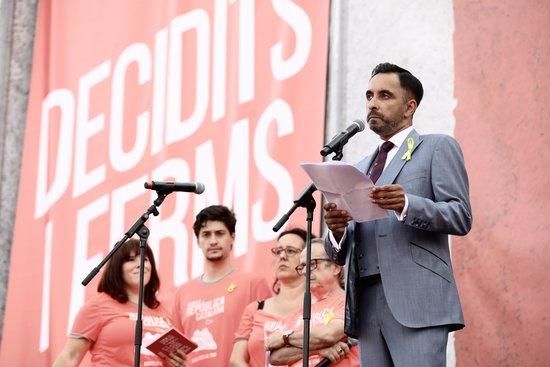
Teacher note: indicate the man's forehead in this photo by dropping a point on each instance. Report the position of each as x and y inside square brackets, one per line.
[384, 81]
[213, 225]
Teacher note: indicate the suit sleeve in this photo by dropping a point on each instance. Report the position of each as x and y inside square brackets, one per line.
[339, 255]
[449, 210]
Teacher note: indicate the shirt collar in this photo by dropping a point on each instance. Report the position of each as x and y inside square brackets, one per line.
[398, 138]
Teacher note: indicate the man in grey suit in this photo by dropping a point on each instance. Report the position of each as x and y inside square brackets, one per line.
[401, 295]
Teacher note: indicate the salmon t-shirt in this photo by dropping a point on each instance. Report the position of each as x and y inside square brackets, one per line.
[209, 314]
[110, 326]
[256, 325]
[323, 312]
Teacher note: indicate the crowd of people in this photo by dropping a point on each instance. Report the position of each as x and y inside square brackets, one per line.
[398, 296]
[234, 316]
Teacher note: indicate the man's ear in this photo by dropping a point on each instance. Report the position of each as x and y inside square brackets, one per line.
[410, 108]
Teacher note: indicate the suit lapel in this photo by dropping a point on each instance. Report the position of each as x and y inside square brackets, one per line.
[394, 167]
[366, 162]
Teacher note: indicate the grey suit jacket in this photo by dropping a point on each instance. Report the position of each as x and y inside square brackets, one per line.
[414, 256]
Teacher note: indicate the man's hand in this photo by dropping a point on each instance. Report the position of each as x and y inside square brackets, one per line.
[336, 220]
[390, 197]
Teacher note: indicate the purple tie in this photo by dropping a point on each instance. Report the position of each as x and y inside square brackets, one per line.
[380, 161]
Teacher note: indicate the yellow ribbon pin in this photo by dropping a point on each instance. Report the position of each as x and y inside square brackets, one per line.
[408, 154]
[231, 287]
[328, 318]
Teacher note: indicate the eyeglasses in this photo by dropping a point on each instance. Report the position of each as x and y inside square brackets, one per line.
[289, 251]
[301, 269]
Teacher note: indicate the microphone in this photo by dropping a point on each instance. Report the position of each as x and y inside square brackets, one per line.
[168, 187]
[326, 362]
[341, 139]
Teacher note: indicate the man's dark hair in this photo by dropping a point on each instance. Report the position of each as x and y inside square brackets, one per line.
[215, 213]
[408, 81]
[112, 280]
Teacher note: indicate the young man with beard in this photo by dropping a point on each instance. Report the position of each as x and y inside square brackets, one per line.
[208, 308]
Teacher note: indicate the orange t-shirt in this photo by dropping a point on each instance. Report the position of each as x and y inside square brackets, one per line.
[209, 313]
[322, 312]
[110, 325]
[256, 325]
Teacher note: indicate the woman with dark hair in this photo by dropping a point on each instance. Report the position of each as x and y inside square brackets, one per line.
[105, 325]
[260, 319]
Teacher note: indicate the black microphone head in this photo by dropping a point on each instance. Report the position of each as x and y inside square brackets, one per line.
[360, 123]
[200, 188]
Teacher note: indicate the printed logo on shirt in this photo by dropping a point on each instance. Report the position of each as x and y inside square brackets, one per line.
[151, 321]
[204, 339]
[204, 309]
[272, 326]
[317, 318]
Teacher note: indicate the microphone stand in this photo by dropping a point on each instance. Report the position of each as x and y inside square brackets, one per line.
[307, 201]
[143, 233]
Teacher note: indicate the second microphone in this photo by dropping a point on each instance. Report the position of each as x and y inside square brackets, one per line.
[195, 187]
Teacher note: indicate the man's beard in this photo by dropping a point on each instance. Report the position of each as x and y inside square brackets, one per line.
[214, 258]
[385, 127]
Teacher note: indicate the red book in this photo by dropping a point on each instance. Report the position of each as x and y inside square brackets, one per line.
[171, 341]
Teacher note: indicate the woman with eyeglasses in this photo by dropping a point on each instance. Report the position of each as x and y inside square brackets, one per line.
[260, 319]
[326, 334]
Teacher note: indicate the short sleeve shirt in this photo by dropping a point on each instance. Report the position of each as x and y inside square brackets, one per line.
[256, 325]
[209, 314]
[110, 326]
[323, 312]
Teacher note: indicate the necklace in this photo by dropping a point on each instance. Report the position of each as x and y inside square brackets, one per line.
[216, 279]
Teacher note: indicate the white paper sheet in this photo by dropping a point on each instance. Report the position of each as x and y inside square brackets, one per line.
[347, 187]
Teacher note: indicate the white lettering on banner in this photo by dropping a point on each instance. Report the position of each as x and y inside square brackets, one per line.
[167, 127]
[44, 343]
[159, 91]
[122, 161]
[119, 198]
[177, 129]
[62, 99]
[173, 226]
[86, 127]
[161, 123]
[203, 309]
[81, 262]
[246, 47]
[247, 51]
[279, 112]
[237, 183]
[219, 53]
[299, 21]
[205, 172]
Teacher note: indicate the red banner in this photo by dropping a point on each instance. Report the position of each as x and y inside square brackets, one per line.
[231, 94]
